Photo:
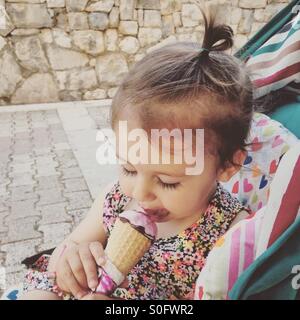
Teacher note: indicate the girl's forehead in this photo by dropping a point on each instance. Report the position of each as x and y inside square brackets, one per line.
[155, 157]
[169, 157]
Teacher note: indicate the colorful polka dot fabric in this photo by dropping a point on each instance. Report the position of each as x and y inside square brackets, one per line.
[269, 141]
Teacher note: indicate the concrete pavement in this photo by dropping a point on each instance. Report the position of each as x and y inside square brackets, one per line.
[48, 176]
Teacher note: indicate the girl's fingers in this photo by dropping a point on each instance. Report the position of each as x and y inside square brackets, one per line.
[78, 271]
[72, 283]
[89, 265]
[61, 284]
[97, 251]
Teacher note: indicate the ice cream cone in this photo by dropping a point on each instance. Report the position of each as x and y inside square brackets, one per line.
[126, 246]
[130, 238]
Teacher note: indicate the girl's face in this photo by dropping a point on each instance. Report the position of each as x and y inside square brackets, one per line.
[165, 191]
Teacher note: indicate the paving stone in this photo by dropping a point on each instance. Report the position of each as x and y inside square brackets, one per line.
[3, 204]
[61, 146]
[3, 226]
[54, 213]
[42, 144]
[21, 158]
[78, 200]
[23, 193]
[76, 184]
[100, 116]
[22, 135]
[3, 237]
[36, 116]
[36, 125]
[58, 138]
[56, 126]
[50, 113]
[73, 172]
[46, 171]
[66, 159]
[21, 229]
[42, 150]
[2, 257]
[46, 160]
[49, 182]
[49, 196]
[6, 132]
[40, 132]
[53, 234]
[23, 208]
[4, 157]
[22, 148]
[22, 179]
[56, 129]
[15, 278]
[5, 143]
[16, 252]
[21, 167]
[6, 117]
[3, 191]
[20, 171]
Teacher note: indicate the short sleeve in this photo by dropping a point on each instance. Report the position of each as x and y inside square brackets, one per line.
[114, 203]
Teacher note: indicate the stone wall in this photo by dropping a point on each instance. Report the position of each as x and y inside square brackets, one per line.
[64, 50]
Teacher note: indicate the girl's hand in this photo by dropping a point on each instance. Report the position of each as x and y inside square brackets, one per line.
[76, 269]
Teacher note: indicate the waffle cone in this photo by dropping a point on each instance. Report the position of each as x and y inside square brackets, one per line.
[126, 246]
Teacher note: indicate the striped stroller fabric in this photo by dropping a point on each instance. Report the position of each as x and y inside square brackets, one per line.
[276, 64]
[284, 201]
[250, 238]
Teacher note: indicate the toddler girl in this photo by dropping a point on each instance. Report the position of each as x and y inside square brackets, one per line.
[180, 86]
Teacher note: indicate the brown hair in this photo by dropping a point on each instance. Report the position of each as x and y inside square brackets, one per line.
[188, 85]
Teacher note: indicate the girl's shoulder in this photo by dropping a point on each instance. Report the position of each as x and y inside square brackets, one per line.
[227, 202]
[115, 202]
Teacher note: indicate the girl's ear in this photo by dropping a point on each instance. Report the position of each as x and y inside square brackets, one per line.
[231, 169]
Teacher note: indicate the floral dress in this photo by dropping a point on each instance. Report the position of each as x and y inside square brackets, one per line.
[171, 266]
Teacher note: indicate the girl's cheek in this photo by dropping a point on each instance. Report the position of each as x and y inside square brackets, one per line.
[126, 185]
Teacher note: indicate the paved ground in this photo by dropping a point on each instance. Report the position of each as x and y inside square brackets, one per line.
[48, 175]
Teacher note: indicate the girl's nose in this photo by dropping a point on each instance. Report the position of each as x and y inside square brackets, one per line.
[142, 192]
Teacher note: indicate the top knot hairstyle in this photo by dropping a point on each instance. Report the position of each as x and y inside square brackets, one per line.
[188, 85]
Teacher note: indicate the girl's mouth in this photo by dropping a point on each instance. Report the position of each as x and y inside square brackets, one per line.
[156, 214]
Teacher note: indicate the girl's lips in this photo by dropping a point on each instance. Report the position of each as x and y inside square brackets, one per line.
[156, 213]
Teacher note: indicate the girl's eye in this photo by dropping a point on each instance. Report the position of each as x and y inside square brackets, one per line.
[128, 173]
[169, 186]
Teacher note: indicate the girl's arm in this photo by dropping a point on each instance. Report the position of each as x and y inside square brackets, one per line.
[89, 230]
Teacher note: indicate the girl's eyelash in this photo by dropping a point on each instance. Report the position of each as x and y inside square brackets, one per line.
[170, 186]
[128, 173]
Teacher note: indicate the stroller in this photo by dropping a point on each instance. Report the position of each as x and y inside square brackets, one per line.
[272, 55]
[259, 258]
